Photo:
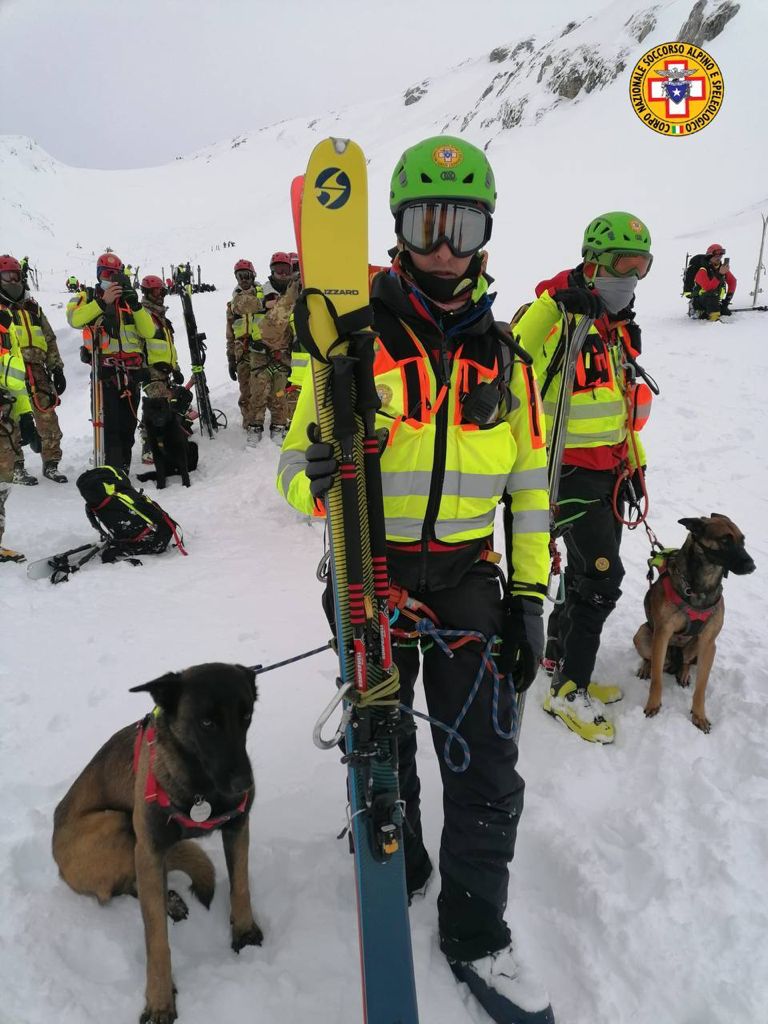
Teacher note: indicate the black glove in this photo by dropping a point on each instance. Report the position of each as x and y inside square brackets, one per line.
[59, 380]
[85, 355]
[580, 300]
[131, 299]
[725, 306]
[232, 369]
[141, 375]
[523, 640]
[635, 482]
[322, 464]
[28, 431]
[177, 375]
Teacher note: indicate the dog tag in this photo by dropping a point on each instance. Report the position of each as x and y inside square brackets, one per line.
[201, 810]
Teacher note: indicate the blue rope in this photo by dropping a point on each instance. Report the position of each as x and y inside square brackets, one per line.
[428, 630]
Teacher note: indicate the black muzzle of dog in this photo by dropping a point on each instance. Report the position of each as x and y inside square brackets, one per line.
[737, 560]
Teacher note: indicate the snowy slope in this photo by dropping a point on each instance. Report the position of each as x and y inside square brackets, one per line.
[638, 884]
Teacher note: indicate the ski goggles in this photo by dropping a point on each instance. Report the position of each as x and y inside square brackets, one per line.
[244, 275]
[107, 273]
[623, 264]
[463, 227]
[10, 276]
[717, 252]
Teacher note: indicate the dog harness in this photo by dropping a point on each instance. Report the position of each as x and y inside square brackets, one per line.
[697, 617]
[154, 792]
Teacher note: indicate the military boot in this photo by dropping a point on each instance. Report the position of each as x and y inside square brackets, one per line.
[21, 476]
[51, 472]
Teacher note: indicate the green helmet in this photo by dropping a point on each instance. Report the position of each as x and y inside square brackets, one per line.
[617, 230]
[442, 167]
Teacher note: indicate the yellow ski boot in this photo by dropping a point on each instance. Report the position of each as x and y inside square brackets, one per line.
[577, 710]
[606, 693]
[9, 555]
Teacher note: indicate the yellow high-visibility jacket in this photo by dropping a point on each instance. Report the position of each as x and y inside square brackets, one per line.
[124, 335]
[598, 414]
[13, 373]
[442, 476]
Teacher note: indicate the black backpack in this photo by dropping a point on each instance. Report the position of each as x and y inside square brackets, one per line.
[695, 263]
[130, 522]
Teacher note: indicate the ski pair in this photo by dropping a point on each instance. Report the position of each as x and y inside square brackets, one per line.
[332, 318]
[210, 419]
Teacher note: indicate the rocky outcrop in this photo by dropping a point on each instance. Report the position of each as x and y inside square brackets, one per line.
[706, 22]
[414, 94]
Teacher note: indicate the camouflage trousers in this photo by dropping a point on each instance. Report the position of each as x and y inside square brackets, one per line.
[243, 369]
[268, 382]
[7, 460]
[291, 401]
[43, 401]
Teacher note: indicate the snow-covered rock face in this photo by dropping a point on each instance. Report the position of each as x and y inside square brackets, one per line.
[706, 21]
[533, 76]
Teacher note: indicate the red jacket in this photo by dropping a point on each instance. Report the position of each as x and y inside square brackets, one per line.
[708, 280]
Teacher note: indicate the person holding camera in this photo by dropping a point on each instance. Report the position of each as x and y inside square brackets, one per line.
[43, 366]
[461, 426]
[713, 286]
[116, 329]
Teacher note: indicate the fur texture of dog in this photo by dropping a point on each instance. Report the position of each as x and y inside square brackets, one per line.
[131, 814]
[684, 609]
[169, 441]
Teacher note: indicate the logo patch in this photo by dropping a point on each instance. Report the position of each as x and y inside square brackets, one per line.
[384, 391]
[447, 156]
[676, 89]
[602, 564]
[333, 188]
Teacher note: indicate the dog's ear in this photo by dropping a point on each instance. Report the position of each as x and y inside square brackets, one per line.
[694, 526]
[717, 515]
[164, 691]
[251, 676]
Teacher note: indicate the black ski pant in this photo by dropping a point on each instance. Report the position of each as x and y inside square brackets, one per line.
[482, 805]
[707, 302]
[593, 573]
[120, 397]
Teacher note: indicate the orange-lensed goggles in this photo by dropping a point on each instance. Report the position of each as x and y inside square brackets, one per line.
[624, 264]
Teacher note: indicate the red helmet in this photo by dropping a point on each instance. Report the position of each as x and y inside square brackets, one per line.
[9, 263]
[716, 250]
[245, 265]
[108, 261]
[280, 257]
[152, 281]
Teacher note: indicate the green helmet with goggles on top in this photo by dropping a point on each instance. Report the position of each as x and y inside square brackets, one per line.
[443, 189]
[620, 242]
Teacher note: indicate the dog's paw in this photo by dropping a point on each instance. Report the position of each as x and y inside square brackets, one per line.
[251, 937]
[651, 710]
[177, 908]
[684, 678]
[701, 722]
[158, 1016]
[644, 672]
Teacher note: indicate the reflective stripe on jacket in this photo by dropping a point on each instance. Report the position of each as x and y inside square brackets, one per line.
[13, 373]
[442, 476]
[598, 411]
[125, 333]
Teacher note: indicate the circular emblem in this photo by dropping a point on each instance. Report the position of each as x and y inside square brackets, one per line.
[384, 391]
[676, 89]
[447, 156]
[602, 564]
[333, 188]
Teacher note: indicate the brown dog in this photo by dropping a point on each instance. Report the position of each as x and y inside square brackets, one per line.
[179, 774]
[684, 609]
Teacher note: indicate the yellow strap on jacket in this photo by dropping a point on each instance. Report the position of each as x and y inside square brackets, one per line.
[134, 327]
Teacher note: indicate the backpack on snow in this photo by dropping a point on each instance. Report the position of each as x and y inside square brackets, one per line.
[127, 519]
[695, 264]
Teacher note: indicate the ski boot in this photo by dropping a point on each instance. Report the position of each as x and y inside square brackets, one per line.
[21, 476]
[277, 434]
[578, 710]
[552, 655]
[51, 472]
[606, 693]
[147, 458]
[254, 434]
[9, 555]
[505, 988]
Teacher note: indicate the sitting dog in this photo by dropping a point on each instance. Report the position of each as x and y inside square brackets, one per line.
[684, 609]
[120, 830]
[172, 451]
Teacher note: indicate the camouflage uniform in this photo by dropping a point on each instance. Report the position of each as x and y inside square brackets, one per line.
[244, 315]
[278, 334]
[37, 346]
[14, 402]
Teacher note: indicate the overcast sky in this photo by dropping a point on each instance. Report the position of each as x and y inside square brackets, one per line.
[100, 83]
